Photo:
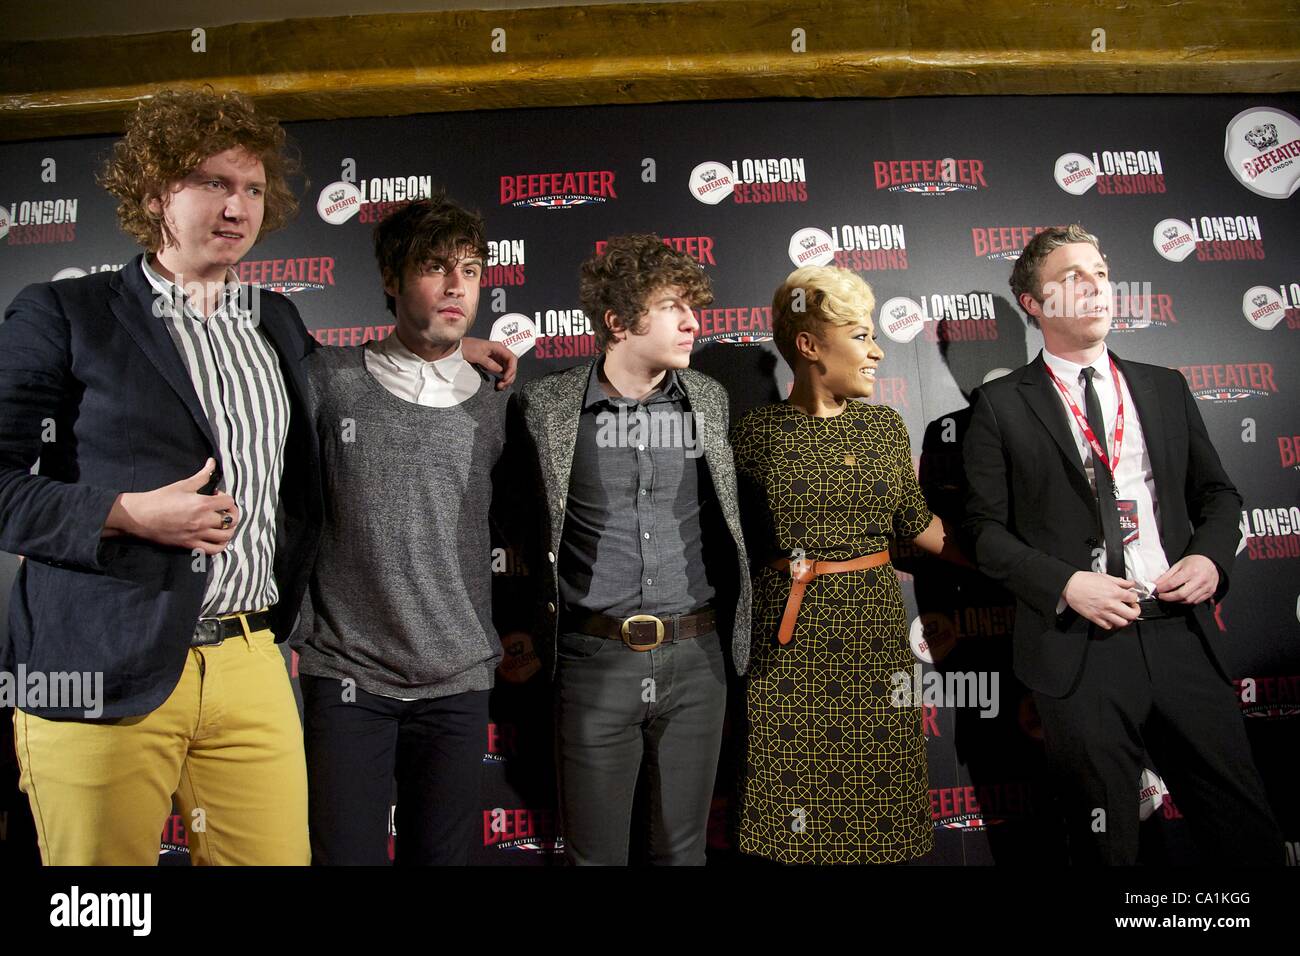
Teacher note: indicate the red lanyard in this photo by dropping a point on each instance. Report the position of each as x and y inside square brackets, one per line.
[1098, 449]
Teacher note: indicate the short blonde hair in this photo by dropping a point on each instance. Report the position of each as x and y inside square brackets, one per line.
[829, 296]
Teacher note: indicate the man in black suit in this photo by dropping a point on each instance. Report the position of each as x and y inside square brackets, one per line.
[1097, 498]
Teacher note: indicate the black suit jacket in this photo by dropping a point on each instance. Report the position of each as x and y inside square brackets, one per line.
[1032, 517]
[91, 383]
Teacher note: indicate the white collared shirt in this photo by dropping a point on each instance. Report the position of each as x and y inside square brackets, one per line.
[1145, 559]
[443, 383]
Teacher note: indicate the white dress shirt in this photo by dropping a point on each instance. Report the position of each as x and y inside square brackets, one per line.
[1144, 559]
[443, 383]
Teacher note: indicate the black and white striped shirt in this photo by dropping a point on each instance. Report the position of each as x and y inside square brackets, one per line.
[236, 373]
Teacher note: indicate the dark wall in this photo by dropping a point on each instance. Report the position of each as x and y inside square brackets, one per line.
[553, 183]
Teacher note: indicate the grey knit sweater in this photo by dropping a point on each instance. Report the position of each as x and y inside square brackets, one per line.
[401, 595]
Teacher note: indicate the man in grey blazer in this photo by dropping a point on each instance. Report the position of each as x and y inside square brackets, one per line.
[641, 556]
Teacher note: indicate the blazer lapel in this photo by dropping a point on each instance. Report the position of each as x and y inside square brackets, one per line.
[704, 417]
[1151, 417]
[561, 417]
[275, 327]
[708, 416]
[132, 305]
[1040, 395]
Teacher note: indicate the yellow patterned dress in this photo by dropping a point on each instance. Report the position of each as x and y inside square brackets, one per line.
[835, 773]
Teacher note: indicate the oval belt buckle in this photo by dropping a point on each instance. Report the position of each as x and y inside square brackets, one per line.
[642, 619]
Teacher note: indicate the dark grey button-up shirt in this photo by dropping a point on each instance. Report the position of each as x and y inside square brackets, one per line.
[632, 536]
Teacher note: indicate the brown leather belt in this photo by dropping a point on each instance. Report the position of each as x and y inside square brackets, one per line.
[644, 632]
[803, 571]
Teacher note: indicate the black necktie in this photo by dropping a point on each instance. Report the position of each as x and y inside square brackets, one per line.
[1105, 485]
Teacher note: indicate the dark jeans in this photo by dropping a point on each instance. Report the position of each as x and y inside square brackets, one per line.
[1151, 690]
[619, 710]
[354, 750]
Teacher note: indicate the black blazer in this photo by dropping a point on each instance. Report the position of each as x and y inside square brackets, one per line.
[1032, 516]
[92, 385]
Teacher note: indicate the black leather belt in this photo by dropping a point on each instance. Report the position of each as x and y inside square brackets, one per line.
[1153, 610]
[644, 632]
[211, 631]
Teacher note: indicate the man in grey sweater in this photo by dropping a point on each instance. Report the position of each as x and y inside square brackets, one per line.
[397, 645]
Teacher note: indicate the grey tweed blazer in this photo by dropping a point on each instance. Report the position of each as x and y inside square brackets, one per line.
[547, 413]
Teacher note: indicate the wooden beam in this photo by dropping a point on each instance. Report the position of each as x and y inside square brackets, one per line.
[655, 52]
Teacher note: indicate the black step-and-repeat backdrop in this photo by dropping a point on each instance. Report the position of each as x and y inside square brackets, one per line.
[929, 200]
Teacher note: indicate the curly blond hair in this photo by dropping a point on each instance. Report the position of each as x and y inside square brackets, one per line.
[170, 134]
[814, 296]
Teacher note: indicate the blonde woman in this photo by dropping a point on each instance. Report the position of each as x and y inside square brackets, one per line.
[835, 772]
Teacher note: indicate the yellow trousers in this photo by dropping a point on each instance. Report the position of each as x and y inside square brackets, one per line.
[227, 745]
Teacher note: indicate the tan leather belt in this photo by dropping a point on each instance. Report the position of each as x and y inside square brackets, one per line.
[803, 571]
[644, 632]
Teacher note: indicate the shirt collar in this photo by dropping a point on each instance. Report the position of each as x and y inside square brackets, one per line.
[1069, 372]
[391, 349]
[231, 296]
[669, 390]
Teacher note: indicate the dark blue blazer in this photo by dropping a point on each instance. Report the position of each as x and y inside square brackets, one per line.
[91, 383]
